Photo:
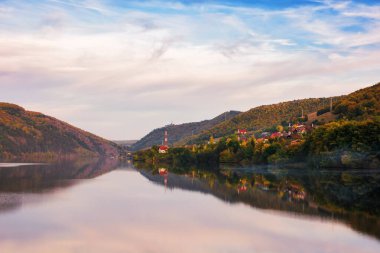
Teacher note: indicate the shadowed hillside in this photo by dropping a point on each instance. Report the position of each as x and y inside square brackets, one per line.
[180, 132]
[25, 133]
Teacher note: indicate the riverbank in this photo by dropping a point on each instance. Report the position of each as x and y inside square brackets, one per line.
[343, 144]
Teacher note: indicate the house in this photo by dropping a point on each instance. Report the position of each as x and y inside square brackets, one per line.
[242, 134]
[163, 149]
[259, 140]
[295, 142]
[299, 129]
[275, 135]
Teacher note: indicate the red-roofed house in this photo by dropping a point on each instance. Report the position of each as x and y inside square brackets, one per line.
[276, 135]
[163, 149]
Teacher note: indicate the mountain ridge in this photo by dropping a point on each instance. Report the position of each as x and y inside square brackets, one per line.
[25, 133]
[180, 131]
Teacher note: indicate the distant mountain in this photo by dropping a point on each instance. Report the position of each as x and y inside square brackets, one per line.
[178, 133]
[26, 133]
[125, 142]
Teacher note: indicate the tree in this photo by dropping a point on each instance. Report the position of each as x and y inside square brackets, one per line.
[211, 141]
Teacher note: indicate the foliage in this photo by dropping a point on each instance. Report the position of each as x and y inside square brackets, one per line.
[323, 111]
[359, 136]
[360, 105]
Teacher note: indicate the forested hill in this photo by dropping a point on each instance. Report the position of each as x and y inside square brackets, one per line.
[26, 133]
[358, 105]
[179, 132]
[266, 116]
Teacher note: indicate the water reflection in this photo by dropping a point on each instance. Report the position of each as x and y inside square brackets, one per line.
[18, 181]
[351, 197]
[167, 209]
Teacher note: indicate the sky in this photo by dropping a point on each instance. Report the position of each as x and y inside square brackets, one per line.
[122, 68]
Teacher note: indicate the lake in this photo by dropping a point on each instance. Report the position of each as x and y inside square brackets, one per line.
[105, 206]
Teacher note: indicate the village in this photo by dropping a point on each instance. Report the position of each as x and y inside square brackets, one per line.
[293, 133]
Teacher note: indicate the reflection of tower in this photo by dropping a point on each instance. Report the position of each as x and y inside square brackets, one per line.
[166, 181]
[164, 172]
[192, 176]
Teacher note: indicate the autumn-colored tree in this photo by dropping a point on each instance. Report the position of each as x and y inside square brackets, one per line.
[279, 128]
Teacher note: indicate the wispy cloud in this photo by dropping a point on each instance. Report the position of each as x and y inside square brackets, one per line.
[179, 62]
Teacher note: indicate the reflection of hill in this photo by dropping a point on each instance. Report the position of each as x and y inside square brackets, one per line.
[254, 197]
[274, 199]
[9, 201]
[17, 182]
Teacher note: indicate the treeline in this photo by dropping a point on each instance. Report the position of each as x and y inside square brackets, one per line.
[336, 144]
[180, 156]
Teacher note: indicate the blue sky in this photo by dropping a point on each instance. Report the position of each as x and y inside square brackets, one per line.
[138, 65]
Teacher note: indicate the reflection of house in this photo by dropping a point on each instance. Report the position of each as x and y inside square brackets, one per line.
[294, 192]
[242, 188]
[164, 172]
[163, 149]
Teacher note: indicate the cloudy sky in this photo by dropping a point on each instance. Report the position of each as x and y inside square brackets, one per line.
[121, 68]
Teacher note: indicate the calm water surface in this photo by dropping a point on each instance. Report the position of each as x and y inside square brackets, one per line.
[101, 206]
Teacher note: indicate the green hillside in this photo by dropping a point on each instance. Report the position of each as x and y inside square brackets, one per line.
[25, 133]
[360, 105]
[266, 116]
[180, 132]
